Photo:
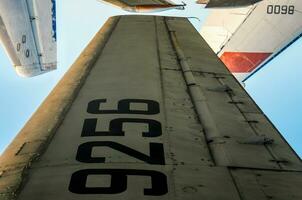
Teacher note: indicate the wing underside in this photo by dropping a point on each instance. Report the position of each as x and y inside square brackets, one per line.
[148, 111]
[248, 38]
[138, 2]
[144, 6]
[28, 34]
[226, 3]
[8, 45]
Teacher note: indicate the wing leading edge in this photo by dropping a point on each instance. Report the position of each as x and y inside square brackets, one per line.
[28, 34]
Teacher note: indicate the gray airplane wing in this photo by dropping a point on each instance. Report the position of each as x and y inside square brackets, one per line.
[145, 5]
[226, 3]
[148, 111]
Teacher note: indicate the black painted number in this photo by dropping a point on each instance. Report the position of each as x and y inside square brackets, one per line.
[280, 9]
[116, 127]
[123, 107]
[118, 181]
[78, 183]
[156, 152]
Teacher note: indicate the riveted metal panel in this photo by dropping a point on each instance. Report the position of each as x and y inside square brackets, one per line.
[137, 123]
[185, 140]
[231, 146]
[199, 56]
[233, 140]
[263, 185]
[282, 152]
[181, 134]
[186, 182]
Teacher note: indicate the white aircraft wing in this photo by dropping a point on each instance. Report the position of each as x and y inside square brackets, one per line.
[28, 34]
[248, 38]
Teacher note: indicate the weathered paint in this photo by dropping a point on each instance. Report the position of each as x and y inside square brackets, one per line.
[226, 3]
[243, 62]
[164, 122]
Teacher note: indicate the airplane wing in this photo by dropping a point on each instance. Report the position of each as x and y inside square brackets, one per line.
[28, 34]
[246, 39]
[226, 3]
[144, 6]
[149, 112]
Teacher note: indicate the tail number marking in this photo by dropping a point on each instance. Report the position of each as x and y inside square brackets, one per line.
[78, 181]
[280, 9]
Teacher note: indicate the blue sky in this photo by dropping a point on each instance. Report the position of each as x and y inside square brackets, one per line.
[276, 88]
[278, 91]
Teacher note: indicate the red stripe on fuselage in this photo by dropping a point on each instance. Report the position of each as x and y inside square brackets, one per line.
[243, 62]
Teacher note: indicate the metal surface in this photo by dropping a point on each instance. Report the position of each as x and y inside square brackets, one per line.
[152, 117]
[145, 6]
[28, 34]
[226, 3]
[246, 39]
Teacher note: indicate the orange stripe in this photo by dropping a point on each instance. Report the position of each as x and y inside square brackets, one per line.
[243, 62]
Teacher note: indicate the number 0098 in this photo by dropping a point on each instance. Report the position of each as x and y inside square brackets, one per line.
[280, 9]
